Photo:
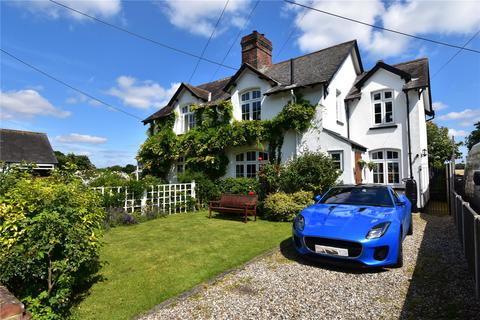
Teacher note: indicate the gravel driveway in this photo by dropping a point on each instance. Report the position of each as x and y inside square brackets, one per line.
[433, 284]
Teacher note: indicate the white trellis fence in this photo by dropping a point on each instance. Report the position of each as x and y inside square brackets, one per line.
[166, 198]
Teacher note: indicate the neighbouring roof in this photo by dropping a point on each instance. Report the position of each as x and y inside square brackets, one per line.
[31, 147]
[307, 70]
[417, 71]
[340, 137]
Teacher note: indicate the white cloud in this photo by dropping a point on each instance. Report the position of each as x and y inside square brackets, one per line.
[142, 94]
[80, 138]
[99, 8]
[416, 17]
[27, 103]
[80, 98]
[457, 133]
[199, 17]
[465, 118]
[438, 105]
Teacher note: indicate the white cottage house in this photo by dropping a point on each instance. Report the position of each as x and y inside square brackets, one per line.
[377, 115]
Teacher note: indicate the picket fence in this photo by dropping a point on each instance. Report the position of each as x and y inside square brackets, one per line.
[166, 198]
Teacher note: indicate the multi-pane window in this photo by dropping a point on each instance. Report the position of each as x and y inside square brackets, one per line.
[337, 157]
[382, 107]
[188, 118]
[387, 166]
[247, 164]
[251, 102]
[180, 165]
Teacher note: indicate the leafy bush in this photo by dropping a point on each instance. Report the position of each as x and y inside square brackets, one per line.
[282, 206]
[239, 185]
[109, 179]
[50, 231]
[312, 171]
[206, 189]
[269, 178]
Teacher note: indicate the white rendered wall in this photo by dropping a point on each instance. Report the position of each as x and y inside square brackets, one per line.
[361, 120]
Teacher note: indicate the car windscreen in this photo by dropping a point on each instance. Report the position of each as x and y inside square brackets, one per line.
[379, 197]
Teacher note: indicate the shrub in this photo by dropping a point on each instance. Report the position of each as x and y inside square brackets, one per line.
[50, 231]
[312, 171]
[269, 178]
[206, 189]
[282, 206]
[239, 185]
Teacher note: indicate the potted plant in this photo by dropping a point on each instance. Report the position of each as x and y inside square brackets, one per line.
[371, 165]
[361, 163]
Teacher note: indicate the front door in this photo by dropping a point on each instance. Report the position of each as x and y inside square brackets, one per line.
[358, 169]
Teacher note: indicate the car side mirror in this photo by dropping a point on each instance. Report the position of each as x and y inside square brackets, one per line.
[476, 178]
[318, 197]
[401, 203]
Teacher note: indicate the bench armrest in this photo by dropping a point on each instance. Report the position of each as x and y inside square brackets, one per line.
[213, 202]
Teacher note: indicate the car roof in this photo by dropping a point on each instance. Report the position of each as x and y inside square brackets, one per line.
[369, 186]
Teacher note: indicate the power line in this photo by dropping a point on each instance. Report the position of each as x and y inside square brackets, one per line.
[68, 85]
[456, 54]
[382, 28]
[208, 41]
[290, 35]
[137, 35]
[236, 38]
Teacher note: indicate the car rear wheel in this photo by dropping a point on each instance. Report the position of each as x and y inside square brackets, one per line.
[410, 227]
[399, 262]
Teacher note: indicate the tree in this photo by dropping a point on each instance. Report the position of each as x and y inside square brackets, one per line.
[440, 146]
[474, 137]
[82, 162]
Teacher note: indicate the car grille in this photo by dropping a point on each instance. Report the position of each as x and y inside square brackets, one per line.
[354, 248]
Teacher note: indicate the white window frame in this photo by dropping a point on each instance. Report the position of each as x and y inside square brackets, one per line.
[241, 160]
[188, 118]
[385, 162]
[339, 152]
[383, 101]
[249, 102]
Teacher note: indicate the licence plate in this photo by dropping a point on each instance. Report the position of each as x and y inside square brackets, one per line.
[331, 250]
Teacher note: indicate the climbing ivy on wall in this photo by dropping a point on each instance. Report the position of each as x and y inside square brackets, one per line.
[204, 147]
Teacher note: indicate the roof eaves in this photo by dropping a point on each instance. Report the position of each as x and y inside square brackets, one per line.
[250, 67]
[352, 143]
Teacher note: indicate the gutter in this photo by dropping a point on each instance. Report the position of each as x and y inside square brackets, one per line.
[409, 136]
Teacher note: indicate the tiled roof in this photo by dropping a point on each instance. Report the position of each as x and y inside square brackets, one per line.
[417, 69]
[313, 68]
[32, 147]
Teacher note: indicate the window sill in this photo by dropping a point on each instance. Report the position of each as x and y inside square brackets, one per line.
[390, 126]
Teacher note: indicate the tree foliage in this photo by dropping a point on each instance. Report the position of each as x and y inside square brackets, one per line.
[440, 147]
[81, 162]
[474, 137]
[50, 230]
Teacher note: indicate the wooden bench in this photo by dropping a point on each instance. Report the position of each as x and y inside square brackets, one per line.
[235, 203]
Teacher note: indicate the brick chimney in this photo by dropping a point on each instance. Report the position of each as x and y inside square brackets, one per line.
[256, 50]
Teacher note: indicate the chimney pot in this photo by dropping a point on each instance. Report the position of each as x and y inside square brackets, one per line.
[256, 50]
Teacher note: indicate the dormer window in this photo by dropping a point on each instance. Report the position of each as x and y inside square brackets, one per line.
[382, 107]
[251, 102]
[188, 118]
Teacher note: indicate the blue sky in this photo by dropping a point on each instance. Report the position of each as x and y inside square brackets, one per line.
[139, 77]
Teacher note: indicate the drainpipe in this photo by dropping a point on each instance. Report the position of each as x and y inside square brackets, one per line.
[409, 135]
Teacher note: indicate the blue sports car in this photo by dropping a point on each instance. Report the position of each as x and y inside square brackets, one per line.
[363, 225]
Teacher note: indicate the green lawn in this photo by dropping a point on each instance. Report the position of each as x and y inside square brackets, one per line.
[156, 260]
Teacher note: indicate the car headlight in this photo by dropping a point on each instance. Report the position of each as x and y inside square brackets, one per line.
[299, 223]
[378, 230]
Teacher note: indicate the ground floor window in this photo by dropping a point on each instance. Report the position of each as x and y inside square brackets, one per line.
[180, 165]
[337, 157]
[387, 166]
[247, 164]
